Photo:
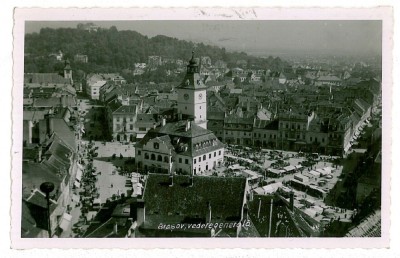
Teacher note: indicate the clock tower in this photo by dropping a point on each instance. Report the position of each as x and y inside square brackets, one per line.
[192, 95]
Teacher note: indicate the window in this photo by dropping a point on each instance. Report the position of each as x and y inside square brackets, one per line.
[209, 156]
[265, 136]
[199, 159]
[117, 119]
[131, 127]
[219, 152]
[131, 119]
[142, 129]
[166, 159]
[200, 107]
[185, 108]
[215, 153]
[186, 161]
[159, 158]
[310, 139]
[146, 156]
[139, 152]
[323, 139]
[180, 160]
[156, 145]
[204, 157]
[194, 161]
[153, 157]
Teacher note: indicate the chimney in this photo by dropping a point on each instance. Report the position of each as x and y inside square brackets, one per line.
[179, 116]
[140, 212]
[171, 180]
[50, 125]
[63, 101]
[30, 126]
[115, 228]
[187, 128]
[245, 212]
[39, 158]
[291, 204]
[164, 122]
[208, 216]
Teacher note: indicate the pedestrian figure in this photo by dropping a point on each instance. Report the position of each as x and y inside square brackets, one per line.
[112, 185]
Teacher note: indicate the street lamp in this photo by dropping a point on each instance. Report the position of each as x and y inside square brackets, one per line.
[47, 188]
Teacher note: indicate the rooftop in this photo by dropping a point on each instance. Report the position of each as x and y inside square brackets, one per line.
[224, 195]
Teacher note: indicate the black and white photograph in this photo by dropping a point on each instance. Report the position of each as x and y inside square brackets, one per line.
[267, 129]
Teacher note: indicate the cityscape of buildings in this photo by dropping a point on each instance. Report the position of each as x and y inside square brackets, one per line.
[240, 151]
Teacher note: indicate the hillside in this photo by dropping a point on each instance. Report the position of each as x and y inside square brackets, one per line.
[110, 50]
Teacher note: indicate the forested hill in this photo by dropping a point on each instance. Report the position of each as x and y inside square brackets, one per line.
[110, 50]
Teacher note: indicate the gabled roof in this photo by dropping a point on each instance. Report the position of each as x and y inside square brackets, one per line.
[178, 129]
[225, 196]
[146, 118]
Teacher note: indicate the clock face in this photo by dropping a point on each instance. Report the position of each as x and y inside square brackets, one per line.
[200, 96]
[186, 96]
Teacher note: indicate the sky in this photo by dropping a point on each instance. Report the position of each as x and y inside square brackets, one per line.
[330, 37]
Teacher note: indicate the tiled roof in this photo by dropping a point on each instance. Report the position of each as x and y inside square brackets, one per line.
[362, 104]
[126, 110]
[178, 129]
[369, 227]
[238, 120]
[28, 223]
[224, 195]
[45, 78]
[146, 118]
[47, 102]
[329, 78]
[34, 174]
[29, 153]
[216, 115]
[61, 128]
[35, 115]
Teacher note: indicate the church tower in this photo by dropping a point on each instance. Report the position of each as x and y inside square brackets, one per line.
[192, 95]
[68, 71]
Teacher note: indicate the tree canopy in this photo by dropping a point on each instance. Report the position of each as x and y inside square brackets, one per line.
[110, 50]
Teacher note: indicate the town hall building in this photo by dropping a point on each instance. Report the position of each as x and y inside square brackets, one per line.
[184, 146]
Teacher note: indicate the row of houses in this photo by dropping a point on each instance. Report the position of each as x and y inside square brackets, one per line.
[49, 150]
[292, 129]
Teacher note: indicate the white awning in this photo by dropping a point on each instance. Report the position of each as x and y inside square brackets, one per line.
[65, 221]
[75, 198]
[78, 174]
[77, 184]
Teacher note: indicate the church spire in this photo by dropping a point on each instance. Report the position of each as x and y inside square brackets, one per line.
[193, 66]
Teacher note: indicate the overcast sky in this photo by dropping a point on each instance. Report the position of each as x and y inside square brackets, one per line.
[341, 37]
